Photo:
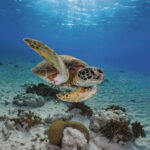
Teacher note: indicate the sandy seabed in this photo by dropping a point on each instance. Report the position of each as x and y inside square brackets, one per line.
[127, 89]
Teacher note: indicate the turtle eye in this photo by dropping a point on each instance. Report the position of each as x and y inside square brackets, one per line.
[99, 70]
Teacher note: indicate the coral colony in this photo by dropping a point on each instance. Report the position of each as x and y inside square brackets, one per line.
[61, 133]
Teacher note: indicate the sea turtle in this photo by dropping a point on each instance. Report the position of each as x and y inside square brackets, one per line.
[66, 71]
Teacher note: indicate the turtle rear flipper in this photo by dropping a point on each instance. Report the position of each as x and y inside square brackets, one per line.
[51, 57]
[78, 95]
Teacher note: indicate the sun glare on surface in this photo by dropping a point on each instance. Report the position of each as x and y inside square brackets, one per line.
[73, 13]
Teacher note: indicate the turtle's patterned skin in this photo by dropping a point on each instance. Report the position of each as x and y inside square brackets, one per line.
[66, 71]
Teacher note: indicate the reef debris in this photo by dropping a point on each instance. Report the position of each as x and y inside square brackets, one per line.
[85, 110]
[3, 117]
[52, 147]
[116, 107]
[5, 133]
[26, 119]
[31, 100]
[102, 117]
[138, 130]
[114, 124]
[118, 130]
[52, 118]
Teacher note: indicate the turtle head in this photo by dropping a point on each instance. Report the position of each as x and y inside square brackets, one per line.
[90, 76]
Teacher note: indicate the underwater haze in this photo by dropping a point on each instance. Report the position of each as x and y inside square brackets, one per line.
[111, 34]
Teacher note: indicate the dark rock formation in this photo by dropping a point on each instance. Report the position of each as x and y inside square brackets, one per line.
[116, 107]
[41, 89]
[85, 110]
[138, 130]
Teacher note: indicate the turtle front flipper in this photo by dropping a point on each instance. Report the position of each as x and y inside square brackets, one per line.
[51, 57]
[81, 94]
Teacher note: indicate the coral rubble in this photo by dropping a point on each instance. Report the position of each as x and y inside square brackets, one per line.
[3, 117]
[109, 129]
[114, 124]
[138, 130]
[103, 116]
[31, 100]
[26, 119]
[65, 117]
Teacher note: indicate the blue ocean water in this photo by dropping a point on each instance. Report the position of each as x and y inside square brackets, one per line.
[111, 34]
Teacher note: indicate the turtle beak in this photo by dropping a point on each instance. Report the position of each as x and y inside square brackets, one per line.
[101, 77]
